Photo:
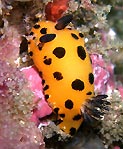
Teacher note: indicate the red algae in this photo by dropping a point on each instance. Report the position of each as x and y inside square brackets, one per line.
[54, 10]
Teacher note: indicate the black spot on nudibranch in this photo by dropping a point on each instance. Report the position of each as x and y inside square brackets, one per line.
[88, 93]
[74, 36]
[77, 117]
[56, 110]
[62, 115]
[31, 33]
[36, 26]
[63, 22]
[69, 28]
[43, 31]
[47, 38]
[81, 35]
[48, 61]
[46, 96]
[59, 52]
[30, 53]
[40, 74]
[69, 104]
[78, 85]
[72, 131]
[40, 48]
[58, 75]
[40, 45]
[43, 81]
[81, 52]
[58, 121]
[45, 57]
[46, 87]
[91, 78]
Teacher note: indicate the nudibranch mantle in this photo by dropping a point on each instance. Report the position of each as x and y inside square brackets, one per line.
[64, 64]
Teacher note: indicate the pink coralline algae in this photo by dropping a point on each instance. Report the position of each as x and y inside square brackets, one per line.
[42, 109]
[9, 45]
[103, 73]
[87, 4]
[20, 136]
[120, 88]
[55, 9]
[116, 147]
[17, 100]
[16, 104]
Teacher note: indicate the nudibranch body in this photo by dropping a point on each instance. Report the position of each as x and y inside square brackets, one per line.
[64, 64]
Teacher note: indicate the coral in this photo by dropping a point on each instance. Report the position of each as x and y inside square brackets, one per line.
[13, 89]
[111, 128]
[16, 107]
[16, 100]
[91, 20]
[18, 135]
[10, 45]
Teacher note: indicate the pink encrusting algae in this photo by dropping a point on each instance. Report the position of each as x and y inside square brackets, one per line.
[103, 74]
[16, 105]
[35, 83]
[9, 45]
